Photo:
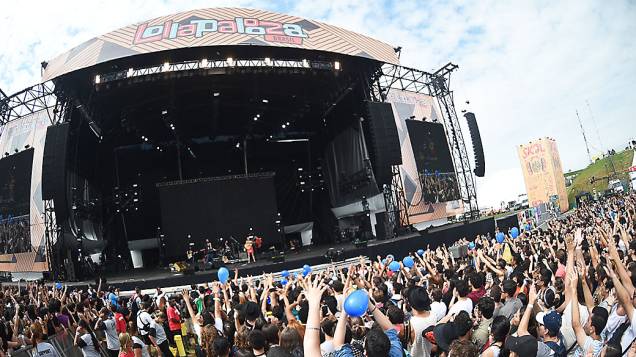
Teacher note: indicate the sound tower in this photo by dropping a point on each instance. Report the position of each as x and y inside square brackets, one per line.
[478, 149]
[54, 169]
[384, 142]
[381, 232]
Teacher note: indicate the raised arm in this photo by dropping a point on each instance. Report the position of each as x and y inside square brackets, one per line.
[523, 324]
[581, 336]
[314, 291]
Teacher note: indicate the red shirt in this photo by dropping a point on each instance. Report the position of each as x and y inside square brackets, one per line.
[475, 295]
[173, 314]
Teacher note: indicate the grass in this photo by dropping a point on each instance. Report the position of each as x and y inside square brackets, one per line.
[601, 168]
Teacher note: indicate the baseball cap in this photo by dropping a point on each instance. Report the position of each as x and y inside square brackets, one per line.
[522, 345]
[551, 320]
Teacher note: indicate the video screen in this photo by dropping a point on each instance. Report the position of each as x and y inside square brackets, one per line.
[218, 207]
[15, 193]
[433, 161]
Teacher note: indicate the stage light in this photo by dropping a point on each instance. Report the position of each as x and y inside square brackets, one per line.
[265, 101]
[165, 67]
[287, 123]
[164, 112]
[130, 72]
[158, 148]
[255, 118]
[268, 61]
[258, 115]
[283, 126]
[98, 79]
[230, 61]
[305, 63]
[135, 185]
[238, 145]
[204, 62]
[336, 65]
[146, 139]
[216, 94]
[135, 200]
[26, 147]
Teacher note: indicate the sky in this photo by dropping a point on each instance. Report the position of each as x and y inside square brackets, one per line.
[525, 67]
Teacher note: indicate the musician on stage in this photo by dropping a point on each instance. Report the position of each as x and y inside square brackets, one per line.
[249, 248]
[190, 254]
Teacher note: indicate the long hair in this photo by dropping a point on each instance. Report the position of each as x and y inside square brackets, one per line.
[240, 339]
[208, 335]
[290, 339]
[124, 341]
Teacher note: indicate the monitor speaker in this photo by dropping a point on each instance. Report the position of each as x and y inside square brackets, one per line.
[384, 142]
[478, 149]
[278, 257]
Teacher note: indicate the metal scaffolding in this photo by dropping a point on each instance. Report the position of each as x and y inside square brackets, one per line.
[437, 85]
[32, 100]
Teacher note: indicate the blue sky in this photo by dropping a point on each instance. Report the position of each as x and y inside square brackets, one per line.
[525, 66]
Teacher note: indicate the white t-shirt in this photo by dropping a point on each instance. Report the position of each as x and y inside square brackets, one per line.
[112, 340]
[138, 343]
[327, 347]
[595, 345]
[160, 333]
[569, 337]
[630, 333]
[89, 350]
[466, 305]
[438, 309]
[144, 322]
[45, 349]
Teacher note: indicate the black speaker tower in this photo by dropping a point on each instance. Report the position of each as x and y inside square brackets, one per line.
[478, 149]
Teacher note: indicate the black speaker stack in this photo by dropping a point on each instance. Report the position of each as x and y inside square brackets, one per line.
[478, 149]
[54, 168]
[383, 141]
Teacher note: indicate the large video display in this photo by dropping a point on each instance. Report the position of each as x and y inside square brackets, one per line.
[433, 161]
[427, 171]
[218, 207]
[15, 192]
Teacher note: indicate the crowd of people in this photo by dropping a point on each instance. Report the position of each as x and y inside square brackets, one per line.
[15, 235]
[567, 289]
[439, 187]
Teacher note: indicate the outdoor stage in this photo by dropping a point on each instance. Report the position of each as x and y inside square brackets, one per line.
[399, 247]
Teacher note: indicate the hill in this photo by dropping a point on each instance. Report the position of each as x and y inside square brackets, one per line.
[601, 168]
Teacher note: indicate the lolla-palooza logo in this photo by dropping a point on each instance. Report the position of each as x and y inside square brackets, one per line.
[271, 31]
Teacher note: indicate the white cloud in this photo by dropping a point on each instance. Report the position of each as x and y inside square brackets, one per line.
[525, 66]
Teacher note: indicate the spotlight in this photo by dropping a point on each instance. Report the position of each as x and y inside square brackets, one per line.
[336, 65]
[130, 72]
[255, 118]
[268, 61]
[230, 61]
[165, 67]
[216, 94]
[265, 101]
[164, 112]
[238, 145]
[283, 126]
[204, 62]
[258, 115]
[305, 63]
[98, 79]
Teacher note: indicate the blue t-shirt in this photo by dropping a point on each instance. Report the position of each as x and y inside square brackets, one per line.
[395, 351]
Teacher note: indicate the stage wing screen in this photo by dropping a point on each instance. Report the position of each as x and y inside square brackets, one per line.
[15, 190]
[218, 207]
[433, 161]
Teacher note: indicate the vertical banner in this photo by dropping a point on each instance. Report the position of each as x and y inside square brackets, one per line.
[542, 172]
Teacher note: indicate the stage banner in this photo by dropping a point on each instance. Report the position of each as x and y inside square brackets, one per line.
[26, 135]
[418, 185]
[542, 172]
[218, 27]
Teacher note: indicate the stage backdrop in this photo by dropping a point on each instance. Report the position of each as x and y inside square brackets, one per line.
[217, 207]
[419, 106]
[29, 130]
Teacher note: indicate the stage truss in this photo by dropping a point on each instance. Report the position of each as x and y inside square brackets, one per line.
[31, 100]
[437, 85]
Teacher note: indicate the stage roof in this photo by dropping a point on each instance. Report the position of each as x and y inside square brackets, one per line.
[218, 27]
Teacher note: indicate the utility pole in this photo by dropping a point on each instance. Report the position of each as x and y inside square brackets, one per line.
[587, 147]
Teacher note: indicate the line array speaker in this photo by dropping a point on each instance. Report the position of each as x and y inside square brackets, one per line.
[384, 140]
[54, 168]
[478, 149]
